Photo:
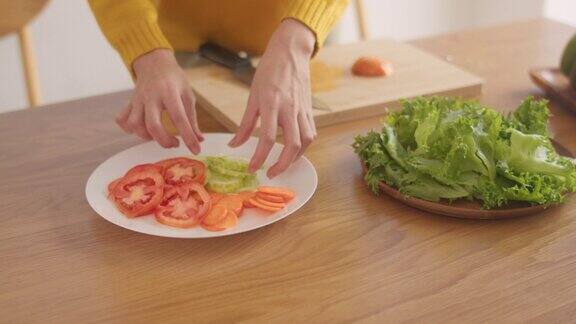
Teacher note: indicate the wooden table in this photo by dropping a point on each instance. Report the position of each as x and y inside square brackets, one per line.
[347, 255]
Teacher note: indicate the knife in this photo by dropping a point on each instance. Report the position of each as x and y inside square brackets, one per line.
[242, 67]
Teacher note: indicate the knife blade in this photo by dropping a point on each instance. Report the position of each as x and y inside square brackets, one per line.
[242, 67]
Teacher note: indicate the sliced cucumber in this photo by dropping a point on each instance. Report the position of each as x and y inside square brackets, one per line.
[227, 175]
[228, 172]
[219, 183]
[236, 164]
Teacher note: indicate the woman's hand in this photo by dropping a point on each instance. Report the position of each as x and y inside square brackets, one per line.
[161, 84]
[280, 96]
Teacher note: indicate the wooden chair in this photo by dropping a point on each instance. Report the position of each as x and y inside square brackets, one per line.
[14, 17]
[361, 19]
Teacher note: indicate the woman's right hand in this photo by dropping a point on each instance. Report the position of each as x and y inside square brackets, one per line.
[161, 85]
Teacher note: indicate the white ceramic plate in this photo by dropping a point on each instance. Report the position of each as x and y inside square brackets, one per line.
[300, 177]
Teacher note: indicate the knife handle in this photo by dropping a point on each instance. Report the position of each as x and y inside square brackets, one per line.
[222, 56]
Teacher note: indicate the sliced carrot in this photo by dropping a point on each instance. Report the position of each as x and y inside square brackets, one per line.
[270, 198]
[248, 204]
[246, 194]
[216, 197]
[233, 203]
[229, 221]
[215, 215]
[271, 204]
[285, 193]
[262, 206]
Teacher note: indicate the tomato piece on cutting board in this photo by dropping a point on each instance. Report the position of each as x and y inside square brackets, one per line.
[183, 170]
[139, 191]
[184, 206]
[372, 67]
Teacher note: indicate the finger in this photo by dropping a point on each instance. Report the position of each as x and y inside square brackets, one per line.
[268, 128]
[155, 127]
[177, 114]
[122, 118]
[189, 101]
[247, 124]
[292, 146]
[136, 122]
[306, 133]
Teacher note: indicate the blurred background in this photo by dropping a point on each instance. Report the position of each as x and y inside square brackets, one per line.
[73, 60]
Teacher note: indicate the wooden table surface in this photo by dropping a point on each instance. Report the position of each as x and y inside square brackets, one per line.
[345, 256]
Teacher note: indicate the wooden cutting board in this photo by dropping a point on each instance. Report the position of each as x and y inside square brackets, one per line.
[417, 73]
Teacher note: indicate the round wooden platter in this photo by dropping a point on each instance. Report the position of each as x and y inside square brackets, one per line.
[471, 209]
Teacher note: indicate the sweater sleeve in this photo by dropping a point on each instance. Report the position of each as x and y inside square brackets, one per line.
[131, 27]
[318, 15]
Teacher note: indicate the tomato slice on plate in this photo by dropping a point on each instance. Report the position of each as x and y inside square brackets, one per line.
[182, 170]
[184, 206]
[139, 191]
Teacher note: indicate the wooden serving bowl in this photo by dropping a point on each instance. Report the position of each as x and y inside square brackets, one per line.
[470, 209]
[555, 84]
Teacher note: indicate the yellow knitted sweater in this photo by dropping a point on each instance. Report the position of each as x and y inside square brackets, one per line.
[135, 27]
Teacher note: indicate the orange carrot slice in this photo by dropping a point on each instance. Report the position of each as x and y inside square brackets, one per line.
[229, 221]
[216, 197]
[270, 198]
[262, 206]
[233, 203]
[271, 204]
[216, 215]
[285, 193]
[246, 195]
[248, 204]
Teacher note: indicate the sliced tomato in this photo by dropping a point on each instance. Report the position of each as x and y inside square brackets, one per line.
[184, 206]
[182, 170]
[112, 185]
[139, 191]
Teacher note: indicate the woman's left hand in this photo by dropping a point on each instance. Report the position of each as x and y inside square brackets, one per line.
[280, 96]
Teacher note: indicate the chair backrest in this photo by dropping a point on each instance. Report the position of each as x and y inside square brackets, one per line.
[15, 14]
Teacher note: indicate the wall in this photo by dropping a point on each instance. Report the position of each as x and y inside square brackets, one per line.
[562, 10]
[411, 19]
[75, 60]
